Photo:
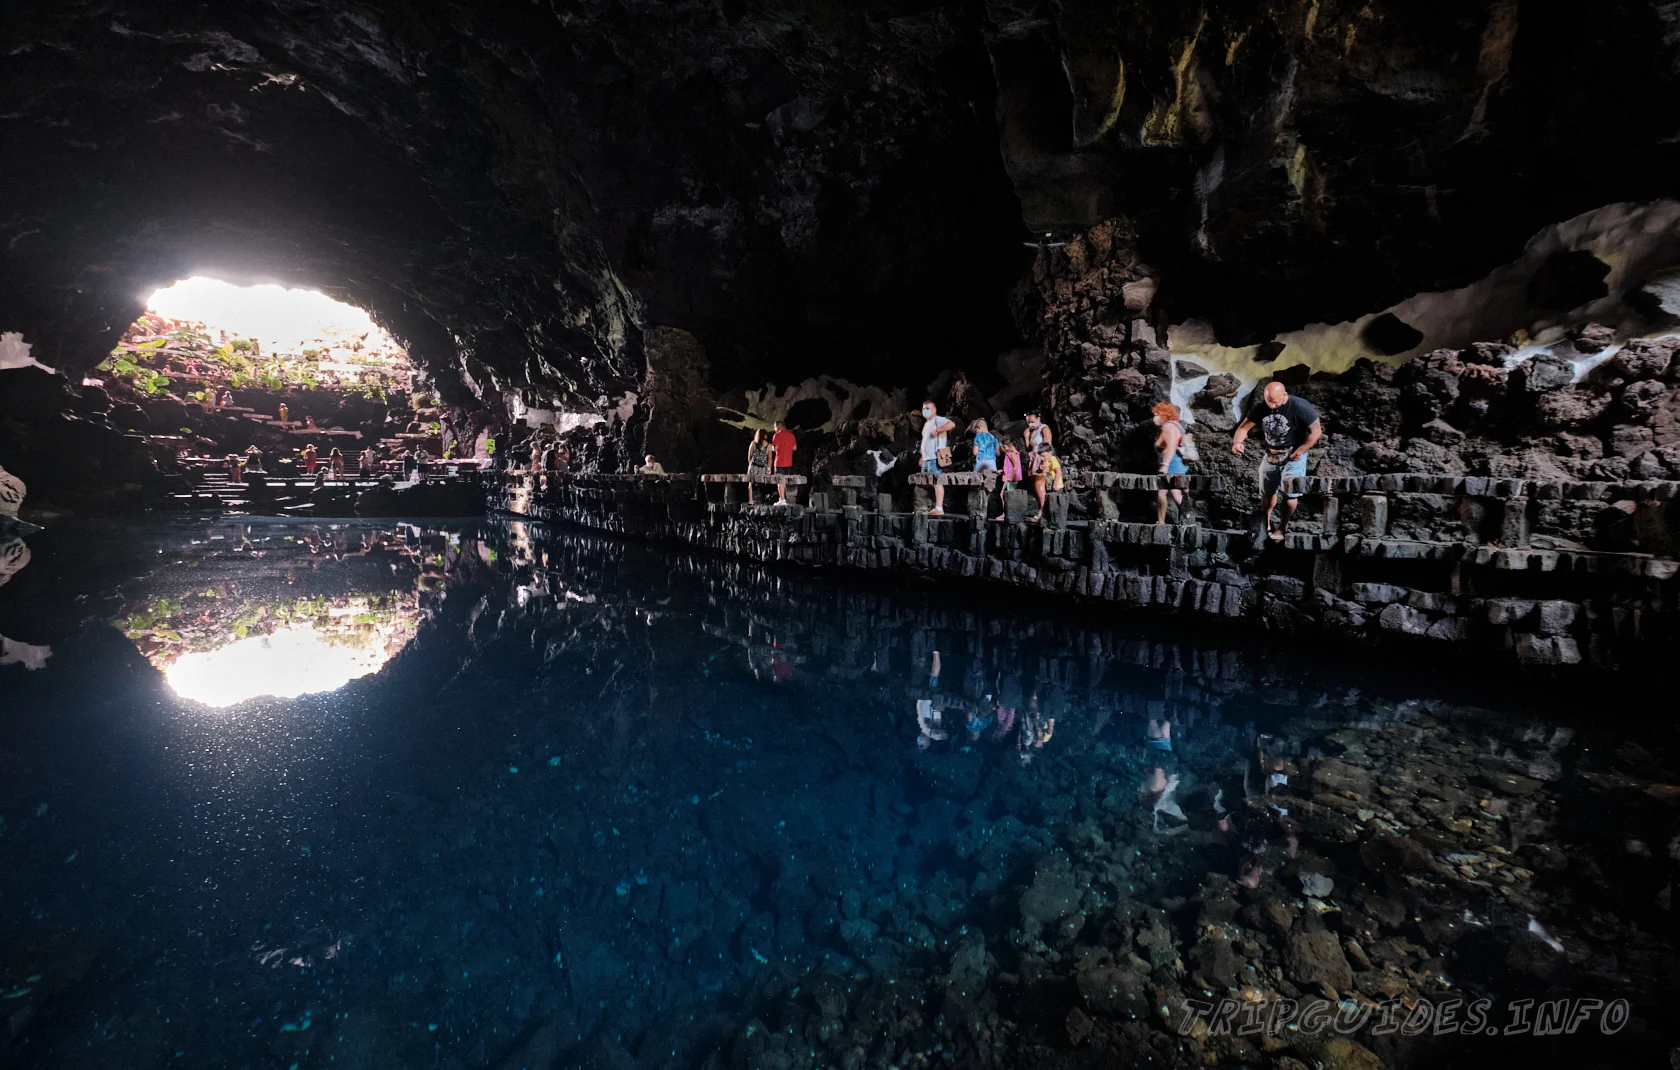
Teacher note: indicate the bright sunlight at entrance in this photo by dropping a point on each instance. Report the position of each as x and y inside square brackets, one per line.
[284, 321]
[204, 335]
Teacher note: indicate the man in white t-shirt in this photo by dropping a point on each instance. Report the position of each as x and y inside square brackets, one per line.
[934, 430]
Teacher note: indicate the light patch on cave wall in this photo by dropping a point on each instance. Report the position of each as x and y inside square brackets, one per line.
[847, 401]
[1637, 245]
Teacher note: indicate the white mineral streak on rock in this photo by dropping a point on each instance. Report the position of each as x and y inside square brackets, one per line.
[1539, 930]
[14, 354]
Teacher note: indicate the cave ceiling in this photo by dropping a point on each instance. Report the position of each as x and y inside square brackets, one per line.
[846, 187]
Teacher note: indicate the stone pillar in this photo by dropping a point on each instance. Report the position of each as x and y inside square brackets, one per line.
[1332, 516]
[1373, 515]
[1513, 522]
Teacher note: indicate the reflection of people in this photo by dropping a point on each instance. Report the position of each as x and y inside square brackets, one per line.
[930, 723]
[1159, 734]
[1290, 427]
[1036, 730]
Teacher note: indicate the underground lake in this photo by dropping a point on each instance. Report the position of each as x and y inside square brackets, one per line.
[540, 797]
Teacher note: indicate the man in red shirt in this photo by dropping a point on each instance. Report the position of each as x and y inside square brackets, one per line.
[782, 445]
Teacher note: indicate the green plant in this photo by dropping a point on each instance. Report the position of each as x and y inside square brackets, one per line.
[489, 446]
[241, 345]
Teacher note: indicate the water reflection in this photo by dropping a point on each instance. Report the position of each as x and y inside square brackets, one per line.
[242, 612]
[605, 805]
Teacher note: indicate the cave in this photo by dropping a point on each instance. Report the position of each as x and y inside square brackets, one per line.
[1389, 335]
[634, 622]
[1568, 280]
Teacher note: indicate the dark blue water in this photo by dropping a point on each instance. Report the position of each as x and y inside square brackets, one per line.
[595, 803]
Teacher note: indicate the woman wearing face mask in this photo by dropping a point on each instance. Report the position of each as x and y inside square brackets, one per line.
[1171, 447]
[1037, 434]
[935, 454]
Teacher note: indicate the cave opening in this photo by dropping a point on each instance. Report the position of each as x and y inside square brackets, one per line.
[390, 378]
[202, 333]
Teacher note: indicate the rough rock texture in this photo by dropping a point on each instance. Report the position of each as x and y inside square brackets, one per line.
[807, 187]
[1441, 563]
[517, 191]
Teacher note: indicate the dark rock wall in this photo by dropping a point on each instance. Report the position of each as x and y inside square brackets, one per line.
[1547, 574]
[517, 191]
[807, 187]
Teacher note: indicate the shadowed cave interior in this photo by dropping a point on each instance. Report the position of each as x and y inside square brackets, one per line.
[900, 772]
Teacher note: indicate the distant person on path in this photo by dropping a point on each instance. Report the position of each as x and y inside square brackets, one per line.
[309, 422]
[935, 453]
[1168, 444]
[1290, 427]
[337, 460]
[253, 459]
[651, 467]
[368, 460]
[284, 412]
[782, 447]
[233, 469]
[408, 464]
[985, 448]
[227, 398]
[421, 460]
[310, 459]
[758, 461]
[1009, 477]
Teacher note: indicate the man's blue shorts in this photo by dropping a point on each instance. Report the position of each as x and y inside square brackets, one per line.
[1273, 475]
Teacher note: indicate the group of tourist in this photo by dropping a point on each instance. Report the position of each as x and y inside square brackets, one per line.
[334, 465]
[1289, 427]
[1032, 457]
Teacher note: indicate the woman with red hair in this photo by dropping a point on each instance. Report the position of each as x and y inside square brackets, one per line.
[1171, 445]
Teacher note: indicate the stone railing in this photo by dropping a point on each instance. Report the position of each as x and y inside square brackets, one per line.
[1446, 561]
